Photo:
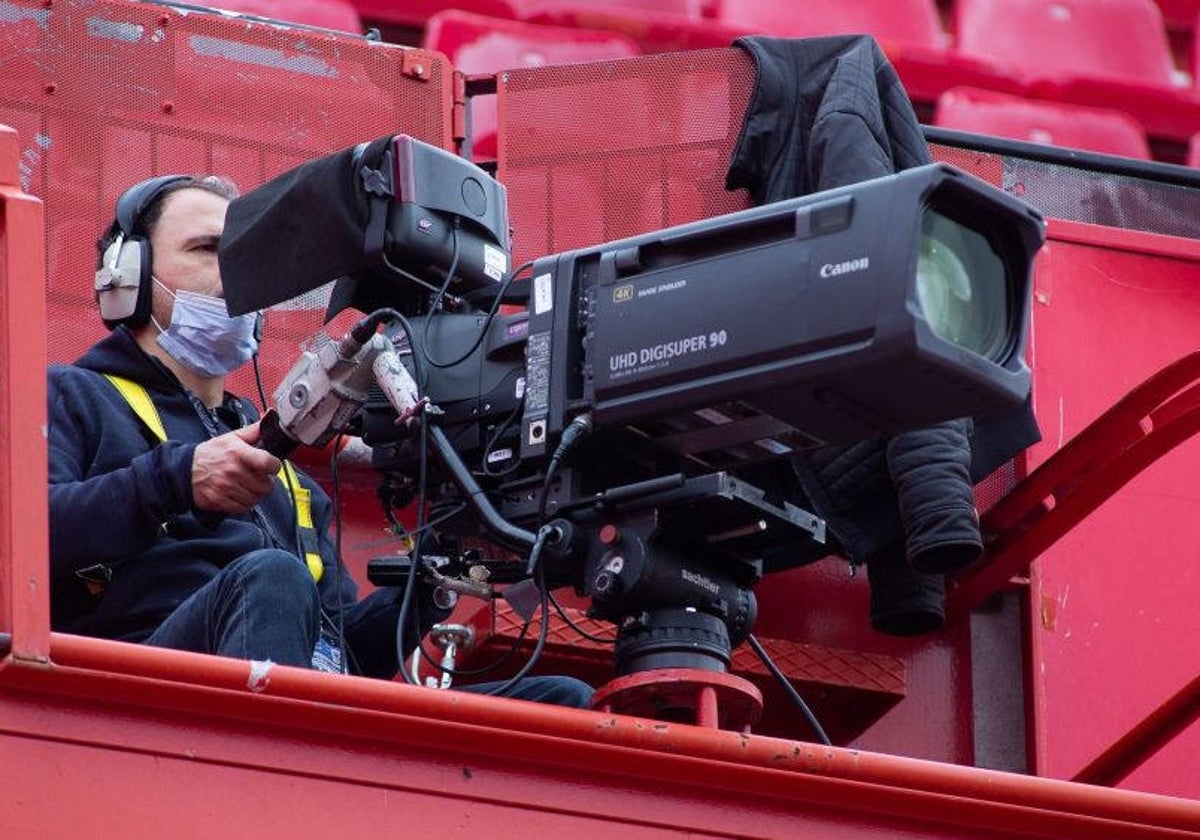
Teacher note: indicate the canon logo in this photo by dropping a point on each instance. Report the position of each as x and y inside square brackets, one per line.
[848, 267]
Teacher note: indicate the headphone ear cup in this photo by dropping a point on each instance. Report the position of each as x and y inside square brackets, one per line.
[123, 281]
[145, 291]
[122, 294]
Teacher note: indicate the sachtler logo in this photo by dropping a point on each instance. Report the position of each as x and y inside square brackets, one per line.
[622, 294]
[848, 267]
[701, 581]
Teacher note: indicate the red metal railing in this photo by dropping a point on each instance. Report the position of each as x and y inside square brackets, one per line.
[24, 579]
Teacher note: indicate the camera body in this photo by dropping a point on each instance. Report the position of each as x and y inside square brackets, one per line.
[605, 426]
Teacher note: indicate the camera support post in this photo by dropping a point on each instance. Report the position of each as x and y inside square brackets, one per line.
[672, 563]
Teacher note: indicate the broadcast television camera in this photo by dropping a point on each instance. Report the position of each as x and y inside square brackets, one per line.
[605, 428]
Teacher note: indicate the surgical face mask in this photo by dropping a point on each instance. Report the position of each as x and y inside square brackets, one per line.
[204, 338]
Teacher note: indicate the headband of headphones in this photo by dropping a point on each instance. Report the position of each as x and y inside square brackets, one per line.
[134, 201]
[123, 286]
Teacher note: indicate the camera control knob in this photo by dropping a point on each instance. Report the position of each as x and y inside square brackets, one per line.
[608, 580]
[606, 584]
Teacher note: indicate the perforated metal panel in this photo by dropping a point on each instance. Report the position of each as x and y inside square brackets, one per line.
[596, 152]
[1085, 187]
[105, 94]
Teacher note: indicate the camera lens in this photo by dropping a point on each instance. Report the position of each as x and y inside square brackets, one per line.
[962, 286]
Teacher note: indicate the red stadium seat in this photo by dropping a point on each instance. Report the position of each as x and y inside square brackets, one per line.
[1099, 53]
[478, 45]
[1193, 52]
[903, 22]
[1109, 39]
[1193, 152]
[328, 14]
[1000, 115]
[414, 13]
[561, 9]
[663, 26]
[909, 31]
[1179, 14]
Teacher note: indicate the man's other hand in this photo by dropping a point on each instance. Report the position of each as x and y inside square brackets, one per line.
[230, 474]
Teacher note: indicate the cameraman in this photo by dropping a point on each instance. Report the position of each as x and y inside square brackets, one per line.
[168, 526]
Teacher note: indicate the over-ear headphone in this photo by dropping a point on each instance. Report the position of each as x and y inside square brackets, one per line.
[123, 285]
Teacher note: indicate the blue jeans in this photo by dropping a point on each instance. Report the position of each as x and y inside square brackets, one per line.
[559, 691]
[264, 605]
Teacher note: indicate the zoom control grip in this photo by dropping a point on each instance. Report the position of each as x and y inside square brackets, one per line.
[273, 438]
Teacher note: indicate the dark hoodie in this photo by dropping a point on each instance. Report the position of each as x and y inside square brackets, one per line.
[126, 547]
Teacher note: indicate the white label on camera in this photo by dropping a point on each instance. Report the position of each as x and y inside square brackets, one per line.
[499, 455]
[543, 299]
[519, 391]
[773, 446]
[712, 416]
[495, 262]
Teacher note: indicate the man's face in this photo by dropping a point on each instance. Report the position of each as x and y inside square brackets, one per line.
[184, 247]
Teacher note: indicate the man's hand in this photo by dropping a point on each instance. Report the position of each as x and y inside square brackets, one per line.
[230, 474]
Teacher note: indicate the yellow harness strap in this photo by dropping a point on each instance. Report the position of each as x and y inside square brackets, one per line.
[302, 499]
[139, 400]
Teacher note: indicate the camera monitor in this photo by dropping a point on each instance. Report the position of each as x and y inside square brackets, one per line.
[390, 220]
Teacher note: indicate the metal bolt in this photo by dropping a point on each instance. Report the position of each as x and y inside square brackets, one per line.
[298, 396]
[445, 599]
[460, 635]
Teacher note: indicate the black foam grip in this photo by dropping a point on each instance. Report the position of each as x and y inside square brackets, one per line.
[273, 438]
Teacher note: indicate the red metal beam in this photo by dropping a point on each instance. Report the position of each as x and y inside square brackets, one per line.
[289, 712]
[1142, 741]
[24, 546]
[1153, 419]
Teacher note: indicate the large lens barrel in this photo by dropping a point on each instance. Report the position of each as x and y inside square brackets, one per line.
[962, 286]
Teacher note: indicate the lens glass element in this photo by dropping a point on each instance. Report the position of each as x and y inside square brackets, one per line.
[961, 286]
